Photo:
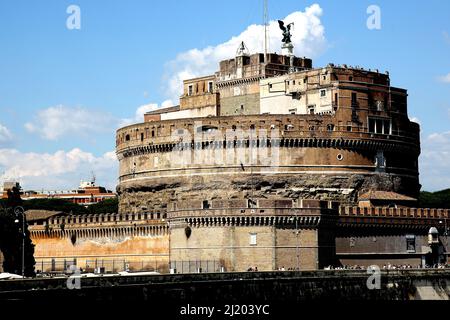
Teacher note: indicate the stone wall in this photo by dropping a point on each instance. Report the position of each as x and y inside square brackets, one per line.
[139, 252]
[170, 292]
[239, 104]
[272, 236]
[293, 156]
[141, 241]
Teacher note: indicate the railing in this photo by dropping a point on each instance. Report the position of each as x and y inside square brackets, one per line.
[101, 265]
[197, 266]
[301, 124]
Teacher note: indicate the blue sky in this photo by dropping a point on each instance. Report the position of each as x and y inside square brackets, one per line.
[64, 92]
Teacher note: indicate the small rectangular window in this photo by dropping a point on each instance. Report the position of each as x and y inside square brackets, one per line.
[387, 127]
[371, 125]
[410, 243]
[323, 93]
[210, 87]
[251, 203]
[205, 204]
[253, 239]
[379, 126]
[190, 90]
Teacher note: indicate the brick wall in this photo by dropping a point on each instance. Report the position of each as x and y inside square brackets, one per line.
[275, 247]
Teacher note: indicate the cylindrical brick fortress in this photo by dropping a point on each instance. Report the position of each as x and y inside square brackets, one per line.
[261, 156]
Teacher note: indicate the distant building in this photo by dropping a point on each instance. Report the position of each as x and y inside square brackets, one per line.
[86, 194]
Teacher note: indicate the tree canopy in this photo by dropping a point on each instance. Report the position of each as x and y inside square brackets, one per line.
[439, 199]
[106, 206]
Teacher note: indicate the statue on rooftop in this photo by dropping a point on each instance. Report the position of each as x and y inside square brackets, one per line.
[286, 32]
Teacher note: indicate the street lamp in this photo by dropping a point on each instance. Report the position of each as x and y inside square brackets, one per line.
[445, 235]
[445, 227]
[20, 211]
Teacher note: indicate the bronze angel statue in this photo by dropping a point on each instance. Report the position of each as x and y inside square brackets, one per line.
[286, 31]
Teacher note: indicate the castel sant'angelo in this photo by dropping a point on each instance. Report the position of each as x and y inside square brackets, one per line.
[271, 163]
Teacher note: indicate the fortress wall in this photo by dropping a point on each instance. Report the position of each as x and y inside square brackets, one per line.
[143, 251]
[302, 158]
[141, 240]
[275, 247]
[143, 194]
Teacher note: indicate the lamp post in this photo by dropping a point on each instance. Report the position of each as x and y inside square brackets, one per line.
[445, 233]
[20, 211]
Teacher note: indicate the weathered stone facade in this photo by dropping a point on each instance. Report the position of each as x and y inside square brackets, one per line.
[295, 162]
[267, 237]
[115, 242]
[279, 139]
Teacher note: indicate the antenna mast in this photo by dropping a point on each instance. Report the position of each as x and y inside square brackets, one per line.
[266, 25]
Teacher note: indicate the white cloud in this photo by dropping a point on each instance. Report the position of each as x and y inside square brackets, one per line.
[445, 79]
[5, 135]
[60, 170]
[308, 39]
[55, 122]
[139, 115]
[435, 162]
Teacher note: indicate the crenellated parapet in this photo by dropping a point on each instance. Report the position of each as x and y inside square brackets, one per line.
[288, 213]
[426, 213]
[393, 217]
[101, 225]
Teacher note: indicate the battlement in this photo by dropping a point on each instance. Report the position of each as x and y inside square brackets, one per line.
[100, 225]
[412, 213]
[104, 218]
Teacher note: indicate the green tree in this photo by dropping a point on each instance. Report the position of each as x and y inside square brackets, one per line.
[54, 205]
[105, 206]
[439, 199]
